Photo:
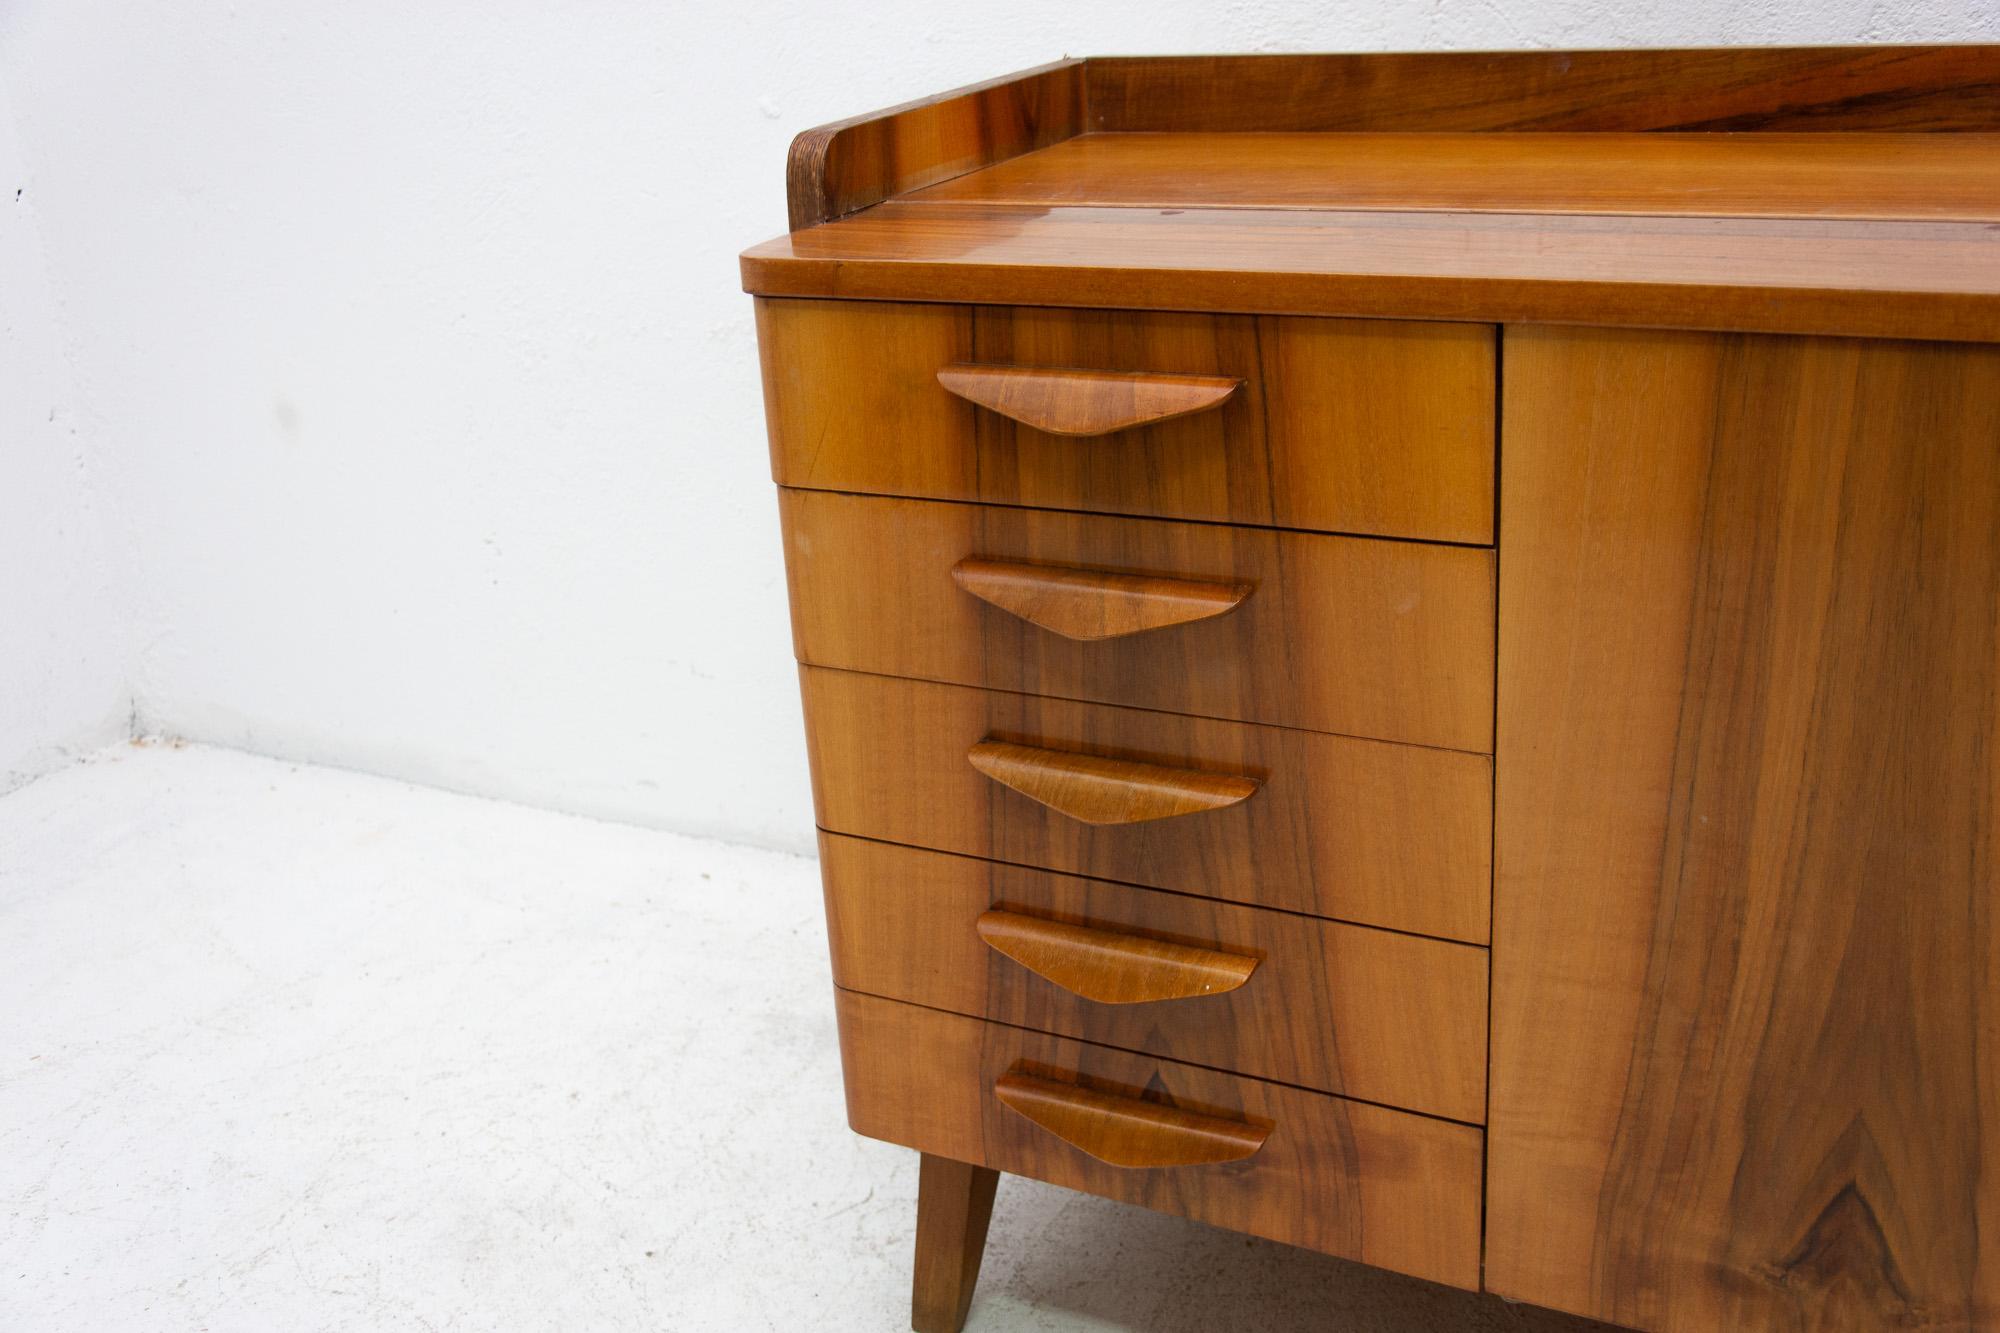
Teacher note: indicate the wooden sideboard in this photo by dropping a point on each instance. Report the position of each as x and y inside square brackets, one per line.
[1401, 653]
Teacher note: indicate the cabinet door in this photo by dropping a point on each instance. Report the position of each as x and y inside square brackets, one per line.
[1746, 944]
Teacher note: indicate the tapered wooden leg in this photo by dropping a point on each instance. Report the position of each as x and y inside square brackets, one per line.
[954, 1204]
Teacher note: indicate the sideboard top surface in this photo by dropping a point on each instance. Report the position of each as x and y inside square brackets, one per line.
[1951, 177]
[1831, 190]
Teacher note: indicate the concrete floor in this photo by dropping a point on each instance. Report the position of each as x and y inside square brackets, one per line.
[283, 1048]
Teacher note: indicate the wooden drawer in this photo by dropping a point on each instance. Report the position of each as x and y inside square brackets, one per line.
[1367, 426]
[1389, 1188]
[1345, 634]
[1388, 835]
[1391, 1018]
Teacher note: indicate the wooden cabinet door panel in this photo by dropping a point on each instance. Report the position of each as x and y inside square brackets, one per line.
[1745, 954]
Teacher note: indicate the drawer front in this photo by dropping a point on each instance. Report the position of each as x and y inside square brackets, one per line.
[1345, 634]
[1365, 426]
[1391, 1018]
[1388, 1188]
[1365, 831]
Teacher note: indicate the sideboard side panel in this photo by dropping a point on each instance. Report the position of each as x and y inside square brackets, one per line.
[1746, 961]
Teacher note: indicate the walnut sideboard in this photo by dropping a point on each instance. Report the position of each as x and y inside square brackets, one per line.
[1402, 654]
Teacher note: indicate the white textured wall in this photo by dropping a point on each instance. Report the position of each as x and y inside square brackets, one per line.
[420, 382]
[64, 648]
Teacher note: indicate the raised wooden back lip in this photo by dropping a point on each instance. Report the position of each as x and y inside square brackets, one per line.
[841, 168]
[851, 164]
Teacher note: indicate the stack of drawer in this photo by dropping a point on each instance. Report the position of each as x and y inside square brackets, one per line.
[1148, 672]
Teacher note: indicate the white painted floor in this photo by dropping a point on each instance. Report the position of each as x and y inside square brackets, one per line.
[284, 1048]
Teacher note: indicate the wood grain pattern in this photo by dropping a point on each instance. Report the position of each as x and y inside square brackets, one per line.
[1928, 280]
[1388, 835]
[1746, 963]
[1128, 1131]
[1389, 1188]
[850, 164]
[1111, 966]
[1951, 176]
[1101, 790]
[1733, 88]
[1391, 1018]
[1085, 402]
[1392, 640]
[1749, 962]
[1349, 426]
[954, 1207]
[1092, 605]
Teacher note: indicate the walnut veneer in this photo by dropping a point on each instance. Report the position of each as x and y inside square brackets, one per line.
[1262, 530]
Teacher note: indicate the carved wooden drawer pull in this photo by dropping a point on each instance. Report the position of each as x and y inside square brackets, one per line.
[1109, 966]
[1084, 402]
[1097, 790]
[1088, 604]
[1125, 1131]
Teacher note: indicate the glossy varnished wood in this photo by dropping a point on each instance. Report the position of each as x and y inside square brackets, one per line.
[1098, 789]
[1947, 176]
[1746, 959]
[1386, 1187]
[1392, 640]
[850, 164]
[1111, 966]
[954, 1208]
[1091, 605]
[1172, 250]
[1121, 1129]
[1085, 402]
[1341, 425]
[838, 168]
[1931, 280]
[1386, 1017]
[1747, 956]
[1389, 835]
[1950, 88]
